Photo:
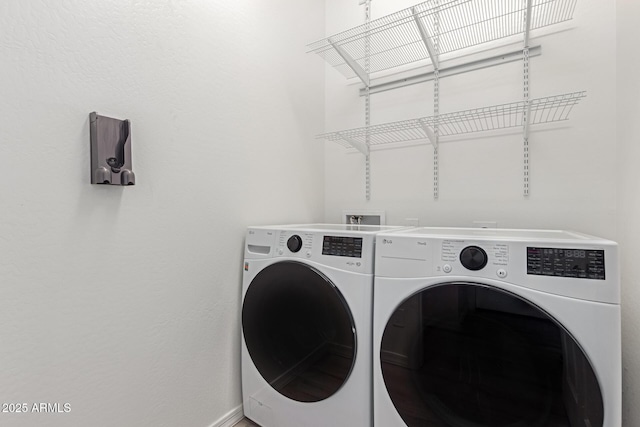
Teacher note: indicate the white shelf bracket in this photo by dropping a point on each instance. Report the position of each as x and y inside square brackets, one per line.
[364, 76]
[424, 33]
[429, 132]
[527, 26]
[363, 148]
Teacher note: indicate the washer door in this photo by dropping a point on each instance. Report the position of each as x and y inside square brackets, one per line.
[299, 331]
[471, 355]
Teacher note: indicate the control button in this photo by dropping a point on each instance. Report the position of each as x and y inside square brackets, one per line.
[280, 251]
[473, 258]
[446, 268]
[502, 273]
[308, 254]
[294, 243]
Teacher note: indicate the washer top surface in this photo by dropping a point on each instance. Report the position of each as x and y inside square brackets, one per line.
[364, 229]
[501, 234]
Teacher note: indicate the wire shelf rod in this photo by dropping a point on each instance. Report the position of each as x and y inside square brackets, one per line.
[542, 110]
[396, 39]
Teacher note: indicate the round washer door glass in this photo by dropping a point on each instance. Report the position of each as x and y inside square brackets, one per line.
[299, 331]
[469, 355]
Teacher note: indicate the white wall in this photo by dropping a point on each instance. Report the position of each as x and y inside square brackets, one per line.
[124, 302]
[573, 164]
[628, 108]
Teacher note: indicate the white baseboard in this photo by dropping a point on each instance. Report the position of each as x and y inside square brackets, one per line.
[230, 418]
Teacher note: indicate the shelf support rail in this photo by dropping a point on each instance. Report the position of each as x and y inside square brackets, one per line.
[527, 111]
[436, 101]
[361, 73]
[367, 108]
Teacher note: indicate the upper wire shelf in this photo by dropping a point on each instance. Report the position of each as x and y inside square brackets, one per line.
[441, 25]
[541, 110]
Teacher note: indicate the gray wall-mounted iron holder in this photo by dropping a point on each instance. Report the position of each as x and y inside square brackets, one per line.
[110, 151]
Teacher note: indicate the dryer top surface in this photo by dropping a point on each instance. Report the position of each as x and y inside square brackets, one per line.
[502, 234]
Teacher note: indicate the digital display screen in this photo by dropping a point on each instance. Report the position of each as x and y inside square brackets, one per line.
[577, 263]
[342, 246]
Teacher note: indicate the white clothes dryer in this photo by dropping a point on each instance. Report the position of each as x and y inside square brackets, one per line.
[496, 328]
[306, 325]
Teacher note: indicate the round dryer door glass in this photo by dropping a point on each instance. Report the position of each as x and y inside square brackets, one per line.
[299, 331]
[467, 355]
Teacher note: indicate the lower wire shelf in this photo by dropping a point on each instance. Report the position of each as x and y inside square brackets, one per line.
[539, 111]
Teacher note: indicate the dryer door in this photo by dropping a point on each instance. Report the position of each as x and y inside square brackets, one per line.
[299, 331]
[471, 355]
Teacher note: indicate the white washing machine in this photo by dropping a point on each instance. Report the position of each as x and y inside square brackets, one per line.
[306, 325]
[496, 328]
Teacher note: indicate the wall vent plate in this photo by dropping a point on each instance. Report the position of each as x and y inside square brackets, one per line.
[363, 217]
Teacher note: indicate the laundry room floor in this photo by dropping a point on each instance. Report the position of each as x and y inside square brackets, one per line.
[245, 423]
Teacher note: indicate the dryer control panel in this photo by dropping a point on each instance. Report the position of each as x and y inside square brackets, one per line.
[577, 266]
[577, 263]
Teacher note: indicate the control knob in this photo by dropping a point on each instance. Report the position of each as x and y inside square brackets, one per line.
[473, 258]
[294, 243]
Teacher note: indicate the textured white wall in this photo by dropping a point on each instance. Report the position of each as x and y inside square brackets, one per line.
[573, 164]
[628, 125]
[124, 302]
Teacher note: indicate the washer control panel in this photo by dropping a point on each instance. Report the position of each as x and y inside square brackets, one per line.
[347, 251]
[294, 242]
[342, 246]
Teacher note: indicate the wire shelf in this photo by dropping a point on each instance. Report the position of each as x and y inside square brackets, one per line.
[451, 25]
[542, 110]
